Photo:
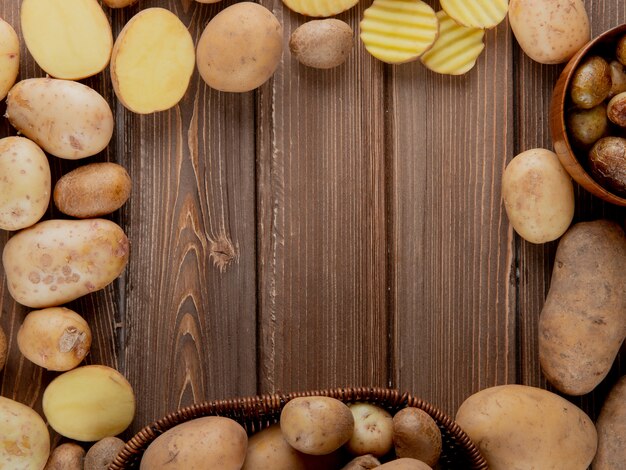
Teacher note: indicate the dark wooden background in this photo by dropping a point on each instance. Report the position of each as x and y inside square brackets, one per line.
[333, 228]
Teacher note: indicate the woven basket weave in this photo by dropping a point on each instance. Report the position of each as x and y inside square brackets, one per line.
[256, 413]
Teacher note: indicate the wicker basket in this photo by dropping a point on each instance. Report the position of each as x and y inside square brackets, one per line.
[256, 413]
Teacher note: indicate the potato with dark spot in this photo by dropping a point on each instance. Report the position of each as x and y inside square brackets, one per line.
[322, 44]
[316, 425]
[363, 462]
[616, 110]
[92, 190]
[3, 348]
[591, 83]
[587, 126]
[611, 426]
[618, 78]
[607, 162]
[416, 436]
[620, 52]
[211, 443]
[102, 453]
[68, 456]
[405, 464]
[373, 430]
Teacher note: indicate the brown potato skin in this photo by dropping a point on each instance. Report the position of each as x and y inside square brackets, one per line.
[618, 78]
[616, 109]
[620, 52]
[591, 83]
[92, 190]
[405, 464]
[102, 453]
[583, 322]
[587, 126]
[322, 44]
[611, 426]
[607, 162]
[416, 436]
[68, 456]
[3, 349]
[364, 462]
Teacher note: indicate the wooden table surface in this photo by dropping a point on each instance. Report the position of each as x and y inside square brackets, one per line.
[333, 228]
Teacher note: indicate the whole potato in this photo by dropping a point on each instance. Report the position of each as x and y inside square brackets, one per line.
[618, 78]
[67, 119]
[211, 443]
[362, 462]
[92, 190]
[57, 261]
[373, 430]
[587, 126]
[583, 321]
[68, 456]
[405, 464]
[520, 427]
[620, 52]
[549, 31]
[607, 163]
[416, 436]
[25, 441]
[54, 338]
[102, 453]
[3, 348]
[611, 426]
[9, 57]
[538, 196]
[240, 48]
[322, 44]
[616, 109]
[24, 184]
[591, 82]
[316, 425]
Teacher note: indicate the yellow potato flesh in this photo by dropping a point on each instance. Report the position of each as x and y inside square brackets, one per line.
[476, 13]
[9, 58]
[320, 8]
[153, 60]
[89, 403]
[69, 39]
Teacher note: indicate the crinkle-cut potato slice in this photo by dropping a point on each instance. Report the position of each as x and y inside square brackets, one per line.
[398, 31]
[482, 14]
[69, 39]
[9, 58]
[153, 60]
[320, 8]
[456, 49]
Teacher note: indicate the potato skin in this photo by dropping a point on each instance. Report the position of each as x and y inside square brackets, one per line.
[583, 321]
[57, 261]
[9, 57]
[322, 44]
[240, 48]
[211, 443]
[119, 3]
[416, 436]
[54, 338]
[607, 163]
[68, 456]
[405, 464]
[611, 426]
[517, 427]
[363, 462]
[618, 78]
[67, 119]
[92, 190]
[587, 126]
[591, 83]
[3, 348]
[102, 453]
[373, 430]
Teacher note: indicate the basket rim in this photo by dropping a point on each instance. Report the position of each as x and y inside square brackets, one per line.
[265, 404]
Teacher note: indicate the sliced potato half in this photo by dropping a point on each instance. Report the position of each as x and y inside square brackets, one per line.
[483, 14]
[319, 8]
[398, 31]
[456, 49]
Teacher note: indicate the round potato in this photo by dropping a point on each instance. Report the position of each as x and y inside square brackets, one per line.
[24, 183]
[240, 48]
[591, 83]
[316, 425]
[66, 119]
[3, 348]
[363, 462]
[405, 464]
[25, 442]
[9, 57]
[587, 126]
[322, 44]
[607, 162]
[89, 403]
[54, 338]
[538, 196]
[68, 456]
[211, 443]
[373, 430]
[102, 453]
[92, 190]
[616, 109]
[416, 436]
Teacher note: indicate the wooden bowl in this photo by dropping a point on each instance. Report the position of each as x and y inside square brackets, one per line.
[603, 45]
[256, 413]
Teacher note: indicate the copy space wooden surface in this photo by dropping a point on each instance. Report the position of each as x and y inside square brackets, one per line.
[339, 227]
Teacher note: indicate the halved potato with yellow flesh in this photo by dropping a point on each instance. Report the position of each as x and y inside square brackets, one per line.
[482, 14]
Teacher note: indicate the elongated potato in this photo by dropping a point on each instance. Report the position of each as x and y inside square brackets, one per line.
[611, 426]
[69, 39]
[67, 119]
[583, 321]
[416, 436]
[25, 441]
[57, 261]
[9, 57]
[89, 403]
[153, 60]
[24, 183]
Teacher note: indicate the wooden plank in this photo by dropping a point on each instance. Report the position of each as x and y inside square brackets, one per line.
[321, 222]
[453, 282]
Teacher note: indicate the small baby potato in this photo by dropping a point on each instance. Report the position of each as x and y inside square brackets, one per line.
[616, 110]
[405, 464]
[363, 462]
[89, 403]
[54, 338]
[9, 57]
[587, 126]
[618, 78]
[68, 456]
[102, 453]
[24, 185]
[620, 52]
[316, 425]
[25, 441]
[119, 3]
[373, 430]
[416, 435]
[591, 83]
[322, 44]
[607, 162]
[92, 190]
[3, 348]
[211, 443]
